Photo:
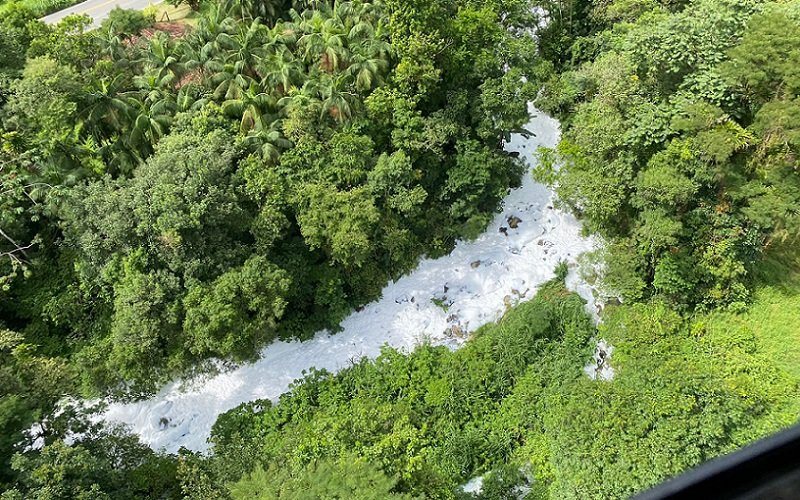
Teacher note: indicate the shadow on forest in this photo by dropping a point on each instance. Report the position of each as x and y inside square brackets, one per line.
[779, 270]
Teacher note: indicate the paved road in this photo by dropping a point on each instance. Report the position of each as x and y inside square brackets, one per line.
[98, 9]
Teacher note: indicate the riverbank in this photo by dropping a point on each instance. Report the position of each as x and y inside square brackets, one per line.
[442, 301]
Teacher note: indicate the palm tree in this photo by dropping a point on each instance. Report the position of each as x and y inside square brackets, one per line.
[202, 61]
[301, 5]
[366, 71]
[151, 122]
[268, 139]
[344, 14]
[229, 83]
[189, 98]
[112, 46]
[245, 47]
[215, 21]
[163, 61]
[106, 111]
[369, 39]
[279, 39]
[305, 97]
[254, 107]
[247, 10]
[337, 102]
[281, 36]
[154, 94]
[282, 72]
[327, 47]
[153, 81]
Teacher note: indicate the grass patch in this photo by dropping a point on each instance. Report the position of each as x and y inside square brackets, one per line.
[165, 12]
[774, 316]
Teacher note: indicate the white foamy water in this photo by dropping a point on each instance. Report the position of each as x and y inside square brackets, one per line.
[475, 283]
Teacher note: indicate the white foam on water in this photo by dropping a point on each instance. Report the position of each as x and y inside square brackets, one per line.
[599, 367]
[442, 300]
[474, 485]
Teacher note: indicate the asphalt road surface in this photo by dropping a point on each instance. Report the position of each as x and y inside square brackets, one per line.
[98, 9]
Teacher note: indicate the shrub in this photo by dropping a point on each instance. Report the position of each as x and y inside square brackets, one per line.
[127, 22]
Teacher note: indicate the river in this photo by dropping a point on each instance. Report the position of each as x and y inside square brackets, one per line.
[441, 301]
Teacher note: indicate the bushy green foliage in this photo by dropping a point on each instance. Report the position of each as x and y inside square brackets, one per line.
[30, 386]
[125, 22]
[36, 463]
[170, 198]
[107, 465]
[771, 318]
[350, 477]
[14, 38]
[681, 395]
[191, 190]
[680, 147]
[36, 8]
[419, 417]
[514, 404]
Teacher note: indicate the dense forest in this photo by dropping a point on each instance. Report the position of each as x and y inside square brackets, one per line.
[182, 193]
[170, 199]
